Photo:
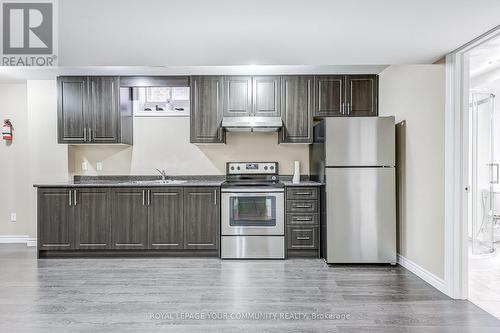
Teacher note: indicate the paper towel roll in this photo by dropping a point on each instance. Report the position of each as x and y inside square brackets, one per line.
[296, 173]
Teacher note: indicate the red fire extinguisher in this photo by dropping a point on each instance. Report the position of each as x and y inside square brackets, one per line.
[7, 130]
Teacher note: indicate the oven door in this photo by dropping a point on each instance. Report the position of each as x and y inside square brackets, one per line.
[253, 213]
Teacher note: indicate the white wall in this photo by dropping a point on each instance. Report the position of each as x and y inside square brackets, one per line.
[14, 166]
[163, 143]
[415, 94]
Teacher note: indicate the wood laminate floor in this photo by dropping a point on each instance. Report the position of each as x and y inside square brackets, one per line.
[198, 295]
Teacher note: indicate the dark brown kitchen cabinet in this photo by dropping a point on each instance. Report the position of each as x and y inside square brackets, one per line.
[237, 96]
[346, 95]
[166, 218]
[89, 111]
[92, 218]
[329, 95]
[129, 218]
[72, 109]
[55, 219]
[297, 100]
[206, 109]
[252, 96]
[105, 109]
[266, 96]
[362, 95]
[201, 218]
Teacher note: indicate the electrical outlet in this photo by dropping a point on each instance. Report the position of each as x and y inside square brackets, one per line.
[13, 217]
[98, 166]
[85, 166]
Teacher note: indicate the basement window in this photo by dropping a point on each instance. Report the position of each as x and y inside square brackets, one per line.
[161, 101]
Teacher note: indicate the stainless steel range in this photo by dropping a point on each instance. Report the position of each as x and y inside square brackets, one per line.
[252, 216]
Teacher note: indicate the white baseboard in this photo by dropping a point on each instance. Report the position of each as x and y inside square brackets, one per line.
[16, 239]
[422, 273]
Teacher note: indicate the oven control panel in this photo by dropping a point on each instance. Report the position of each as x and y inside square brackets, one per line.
[239, 168]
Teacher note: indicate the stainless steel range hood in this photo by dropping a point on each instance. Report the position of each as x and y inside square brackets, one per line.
[252, 124]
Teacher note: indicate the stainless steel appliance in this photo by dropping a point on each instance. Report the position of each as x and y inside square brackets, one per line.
[355, 157]
[252, 212]
[252, 124]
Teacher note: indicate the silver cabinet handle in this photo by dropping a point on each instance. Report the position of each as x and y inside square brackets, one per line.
[85, 134]
[342, 111]
[348, 108]
[215, 197]
[303, 238]
[69, 197]
[74, 198]
[303, 206]
[143, 197]
[303, 193]
[302, 218]
[496, 179]
[90, 134]
[149, 197]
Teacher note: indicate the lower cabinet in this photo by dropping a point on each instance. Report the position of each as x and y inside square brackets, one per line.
[92, 218]
[112, 219]
[201, 218]
[56, 217]
[129, 219]
[166, 218]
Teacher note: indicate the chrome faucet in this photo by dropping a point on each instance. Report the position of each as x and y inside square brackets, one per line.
[163, 174]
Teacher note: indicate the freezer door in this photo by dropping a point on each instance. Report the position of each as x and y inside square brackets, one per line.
[361, 215]
[361, 141]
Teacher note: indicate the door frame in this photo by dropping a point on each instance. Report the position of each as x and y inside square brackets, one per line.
[457, 167]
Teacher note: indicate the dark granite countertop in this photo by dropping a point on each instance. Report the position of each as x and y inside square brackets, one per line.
[302, 183]
[136, 181]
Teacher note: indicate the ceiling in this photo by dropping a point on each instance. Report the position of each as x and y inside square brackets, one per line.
[258, 36]
[267, 32]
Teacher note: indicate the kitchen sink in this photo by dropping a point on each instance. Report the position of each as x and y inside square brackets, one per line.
[159, 182]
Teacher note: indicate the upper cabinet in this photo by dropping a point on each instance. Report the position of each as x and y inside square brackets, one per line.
[252, 96]
[297, 104]
[89, 111]
[207, 109]
[346, 95]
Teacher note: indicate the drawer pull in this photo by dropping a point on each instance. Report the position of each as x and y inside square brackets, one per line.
[303, 206]
[303, 193]
[302, 218]
[303, 238]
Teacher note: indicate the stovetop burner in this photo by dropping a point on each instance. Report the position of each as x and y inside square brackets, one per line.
[252, 174]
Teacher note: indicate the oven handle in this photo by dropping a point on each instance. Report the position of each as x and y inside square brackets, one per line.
[253, 190]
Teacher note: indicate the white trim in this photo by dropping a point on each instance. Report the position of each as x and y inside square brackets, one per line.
[456, 168]
[422, 273]
[17, 239]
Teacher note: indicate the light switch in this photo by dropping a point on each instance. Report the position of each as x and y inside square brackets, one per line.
[85, 166]
[98, 166]
[13, 217]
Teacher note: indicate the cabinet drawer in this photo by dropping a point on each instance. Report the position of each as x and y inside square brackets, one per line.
[302, 219]
[302, 238]
[302, 206]
[301, 193]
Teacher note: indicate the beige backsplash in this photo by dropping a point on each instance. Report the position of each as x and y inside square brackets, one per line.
[164, 143]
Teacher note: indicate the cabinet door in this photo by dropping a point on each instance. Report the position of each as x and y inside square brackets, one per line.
[201, 218]
[129, 219]
[362, 95]
[105, 110]
[165, 218]
[329, 95]
[55, 218]
[92, 222]
[266, 96]
[237, 96]
[72, 109]
[206, 109]
[296, 109]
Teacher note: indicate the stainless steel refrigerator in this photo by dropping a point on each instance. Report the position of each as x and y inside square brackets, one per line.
[355, 157]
